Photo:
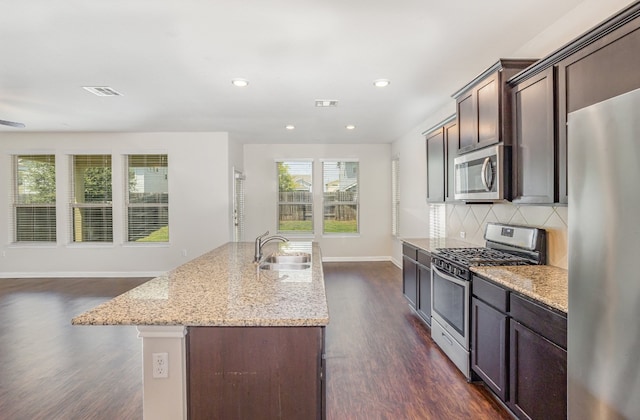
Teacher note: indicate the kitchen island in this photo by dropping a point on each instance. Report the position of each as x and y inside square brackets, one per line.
[239, 341]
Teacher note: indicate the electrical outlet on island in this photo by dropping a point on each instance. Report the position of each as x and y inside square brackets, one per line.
[160, 365]
[463, 234]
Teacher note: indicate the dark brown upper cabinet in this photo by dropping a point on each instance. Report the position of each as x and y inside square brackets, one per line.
[439, 142]
[435, 166]
[483, 106]
[598, 65]
[535, 172]
[452, 144]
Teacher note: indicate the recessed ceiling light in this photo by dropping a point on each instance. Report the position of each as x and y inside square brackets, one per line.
[290, 127]
[350, 127]
[240, 82]
[381, 83]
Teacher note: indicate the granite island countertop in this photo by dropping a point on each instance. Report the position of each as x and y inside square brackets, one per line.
[224, 287]
[545, 283]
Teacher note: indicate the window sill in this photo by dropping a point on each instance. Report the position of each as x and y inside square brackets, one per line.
[86, 245]
[340, 235]
[19, 245]
[146, 245]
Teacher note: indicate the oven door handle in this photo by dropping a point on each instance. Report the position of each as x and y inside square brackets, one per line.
[448, 277]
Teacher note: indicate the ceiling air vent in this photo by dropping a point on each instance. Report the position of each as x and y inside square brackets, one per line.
[326, 103]
[102, 90]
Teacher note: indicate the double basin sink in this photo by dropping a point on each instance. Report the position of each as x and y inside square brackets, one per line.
[280, 262]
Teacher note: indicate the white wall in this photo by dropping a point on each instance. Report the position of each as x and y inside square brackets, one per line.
[199, 202]
[374, 240]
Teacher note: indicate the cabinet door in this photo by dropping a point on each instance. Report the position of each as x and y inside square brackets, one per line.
[600, 71]
[435, 166]
[538, 375]
[410, 280]
[452, 144]
[534, 152]
[488, 104]
[424, 301]
[467, 122]
[489, 346]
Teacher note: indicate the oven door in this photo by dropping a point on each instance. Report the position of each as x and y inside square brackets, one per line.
[450, 305]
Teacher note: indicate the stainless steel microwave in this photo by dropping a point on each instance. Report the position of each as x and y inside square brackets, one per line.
[483, 175]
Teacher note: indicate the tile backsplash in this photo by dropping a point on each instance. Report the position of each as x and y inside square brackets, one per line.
[449, 220]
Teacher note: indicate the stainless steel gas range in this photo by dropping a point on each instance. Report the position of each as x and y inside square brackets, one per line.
[451, 282]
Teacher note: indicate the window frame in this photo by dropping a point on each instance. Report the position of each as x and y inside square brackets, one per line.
[309, 203]
[356, 202]
[51, 206]
[132, 205]
[395, 197]
[74, 205]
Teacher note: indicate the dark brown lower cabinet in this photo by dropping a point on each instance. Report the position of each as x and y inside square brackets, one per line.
[255, 373]
[489, 349]
[424, 301]
[410, 280]
[538, 378]
[518, 349]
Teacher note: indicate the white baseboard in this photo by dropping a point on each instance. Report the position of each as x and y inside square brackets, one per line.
[356, 259]
[74, 274]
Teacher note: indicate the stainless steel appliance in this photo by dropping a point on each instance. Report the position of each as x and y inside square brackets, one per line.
[483, 175]
[603, 351]
[451, 282]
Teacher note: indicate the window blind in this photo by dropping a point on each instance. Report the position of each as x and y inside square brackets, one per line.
[34, 198]
[147, 198]
[91, 205]
[395, 197]
[295, 196]
[340, 196]
[238, 206]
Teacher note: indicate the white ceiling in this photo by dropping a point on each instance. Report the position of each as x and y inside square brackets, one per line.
[173, 60]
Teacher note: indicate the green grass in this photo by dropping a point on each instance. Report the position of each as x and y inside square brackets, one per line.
[330, 226]
[296, 226]
[340, 226]
[160, 235]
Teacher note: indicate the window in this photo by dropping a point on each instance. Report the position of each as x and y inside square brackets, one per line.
[295, 200]
[340, 207]
[395, 197]
[91, 210]
[238, 206]
[147, 198]
[34, 198]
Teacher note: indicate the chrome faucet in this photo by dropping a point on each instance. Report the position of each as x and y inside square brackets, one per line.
[261, 241]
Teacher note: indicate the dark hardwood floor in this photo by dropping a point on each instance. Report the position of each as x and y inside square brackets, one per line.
[381, 361]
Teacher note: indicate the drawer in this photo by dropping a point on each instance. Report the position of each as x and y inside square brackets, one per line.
[424, 258]
[410, 251]
[546, 322]
[491, 293]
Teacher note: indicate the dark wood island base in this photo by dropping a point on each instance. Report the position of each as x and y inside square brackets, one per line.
[255, 373]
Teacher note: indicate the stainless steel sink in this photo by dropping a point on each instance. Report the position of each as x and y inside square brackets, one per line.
[286, 262]
[288, 259]
[281, 267]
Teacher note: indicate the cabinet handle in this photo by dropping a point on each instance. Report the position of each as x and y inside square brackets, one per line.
[488, 183]
[447, 338]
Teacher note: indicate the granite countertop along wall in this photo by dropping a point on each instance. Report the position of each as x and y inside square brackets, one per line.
[545, 283]
[224, 287]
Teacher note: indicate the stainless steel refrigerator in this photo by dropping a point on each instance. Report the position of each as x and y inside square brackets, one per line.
[604, 260]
